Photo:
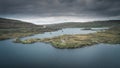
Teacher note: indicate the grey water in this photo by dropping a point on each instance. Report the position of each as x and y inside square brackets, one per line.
[65, 31]
[42, 55]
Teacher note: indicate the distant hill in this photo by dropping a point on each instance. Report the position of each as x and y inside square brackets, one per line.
[9, 23]
[106, 23]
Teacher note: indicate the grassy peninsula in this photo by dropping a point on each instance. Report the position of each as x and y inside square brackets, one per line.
[110, 36]
[16, 29]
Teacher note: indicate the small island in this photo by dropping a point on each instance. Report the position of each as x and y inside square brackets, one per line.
[110, 36]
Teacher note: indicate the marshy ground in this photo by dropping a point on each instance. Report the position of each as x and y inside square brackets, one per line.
[10, 29]
[110, 36]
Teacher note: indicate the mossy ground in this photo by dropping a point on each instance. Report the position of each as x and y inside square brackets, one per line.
[110, 36]
[22, 32]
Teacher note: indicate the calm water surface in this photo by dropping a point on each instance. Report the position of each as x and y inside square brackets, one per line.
[41, 55]
[65, 31]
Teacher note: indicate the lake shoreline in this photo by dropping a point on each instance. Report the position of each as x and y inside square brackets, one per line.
[110, 36]
[24, 33]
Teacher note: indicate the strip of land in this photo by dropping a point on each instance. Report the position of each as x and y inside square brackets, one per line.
[16, 29]
[110, 36]
[10, 29]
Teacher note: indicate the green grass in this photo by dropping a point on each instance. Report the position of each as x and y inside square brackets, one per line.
[110, 36]
[17, 29]
[14, 29]
[22, 32]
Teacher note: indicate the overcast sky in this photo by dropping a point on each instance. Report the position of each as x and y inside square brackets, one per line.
[55, 11]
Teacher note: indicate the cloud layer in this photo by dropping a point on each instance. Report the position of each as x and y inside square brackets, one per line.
[46, 8]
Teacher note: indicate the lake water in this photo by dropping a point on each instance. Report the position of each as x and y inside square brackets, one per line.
[65, 31]
[42, 55]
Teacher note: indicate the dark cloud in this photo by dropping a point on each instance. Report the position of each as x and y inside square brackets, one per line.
[108, 8]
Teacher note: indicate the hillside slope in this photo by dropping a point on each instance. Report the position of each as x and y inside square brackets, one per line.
[14, 28]
[106, 23]
[9, 23]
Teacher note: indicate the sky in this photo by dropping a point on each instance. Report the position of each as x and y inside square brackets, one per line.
[59, 11]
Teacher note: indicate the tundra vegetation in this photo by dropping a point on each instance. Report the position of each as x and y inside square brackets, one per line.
[17, 29]
[110, 36]
[18, 33]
